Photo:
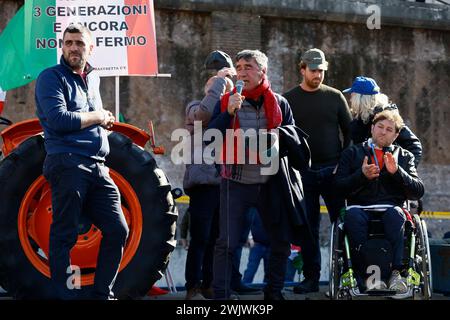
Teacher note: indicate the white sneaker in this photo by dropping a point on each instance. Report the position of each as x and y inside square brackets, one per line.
[397, 283]
[376, 285]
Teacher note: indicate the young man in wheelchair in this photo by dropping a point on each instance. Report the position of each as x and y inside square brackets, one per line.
[378, 174]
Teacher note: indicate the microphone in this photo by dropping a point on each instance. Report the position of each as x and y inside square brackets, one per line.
[239, 86]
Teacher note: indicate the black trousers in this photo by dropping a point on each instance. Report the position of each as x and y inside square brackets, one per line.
[235, 201]
[82, 186]
[317, 182]
[204, 229]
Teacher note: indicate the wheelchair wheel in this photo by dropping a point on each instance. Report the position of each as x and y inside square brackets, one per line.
[336, 260]
[423, 258]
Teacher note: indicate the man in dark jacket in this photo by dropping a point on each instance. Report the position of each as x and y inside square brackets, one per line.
[377, 172]
[70, 110]
[243, 183]
[366, 101]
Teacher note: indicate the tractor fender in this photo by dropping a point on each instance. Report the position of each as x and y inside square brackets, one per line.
[16, 133]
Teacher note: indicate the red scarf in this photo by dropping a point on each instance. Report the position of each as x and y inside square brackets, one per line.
[271, 109]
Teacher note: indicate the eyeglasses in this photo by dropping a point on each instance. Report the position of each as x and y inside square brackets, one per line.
[391, 106]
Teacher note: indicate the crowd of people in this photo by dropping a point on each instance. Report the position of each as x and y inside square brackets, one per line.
[325, 166]
[363, 154]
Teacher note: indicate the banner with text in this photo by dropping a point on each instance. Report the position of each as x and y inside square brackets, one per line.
[123, 34]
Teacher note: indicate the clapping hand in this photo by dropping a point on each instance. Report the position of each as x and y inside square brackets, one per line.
[390, 163]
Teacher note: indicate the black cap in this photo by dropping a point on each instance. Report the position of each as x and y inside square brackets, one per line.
[217, 60]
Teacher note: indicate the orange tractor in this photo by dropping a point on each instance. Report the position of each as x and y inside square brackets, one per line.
[26, 214]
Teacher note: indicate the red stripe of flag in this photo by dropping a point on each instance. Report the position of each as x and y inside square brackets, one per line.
[2, 100]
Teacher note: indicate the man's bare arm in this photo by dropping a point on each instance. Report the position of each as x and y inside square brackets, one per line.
[102, 117]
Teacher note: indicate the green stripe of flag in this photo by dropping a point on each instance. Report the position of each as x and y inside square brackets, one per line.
[21, 59]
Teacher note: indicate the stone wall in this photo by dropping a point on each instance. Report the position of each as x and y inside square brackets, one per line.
[408, 56]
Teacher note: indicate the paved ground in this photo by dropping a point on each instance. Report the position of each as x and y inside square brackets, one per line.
[288, 293]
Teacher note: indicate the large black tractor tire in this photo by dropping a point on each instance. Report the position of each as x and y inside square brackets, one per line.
[24, 165]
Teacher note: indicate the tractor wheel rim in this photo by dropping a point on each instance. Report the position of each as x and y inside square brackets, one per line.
[33, 223]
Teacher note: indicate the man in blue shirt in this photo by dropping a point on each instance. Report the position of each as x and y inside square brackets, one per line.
[70, 110]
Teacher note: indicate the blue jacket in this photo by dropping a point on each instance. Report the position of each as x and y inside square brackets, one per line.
[61, 95]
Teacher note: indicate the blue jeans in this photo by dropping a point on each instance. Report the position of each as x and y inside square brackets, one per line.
[357, 227]
[260, 250]
[257, 252]
[82, 187]
[290, 271]
[317, 181]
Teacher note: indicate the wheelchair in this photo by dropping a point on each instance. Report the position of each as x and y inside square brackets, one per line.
[416, 258]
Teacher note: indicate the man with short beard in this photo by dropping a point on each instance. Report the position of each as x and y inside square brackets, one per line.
[377, 173]
[70, 111]
[322, 112]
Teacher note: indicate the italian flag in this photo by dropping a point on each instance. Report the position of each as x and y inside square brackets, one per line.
[123, 33]
[2, 100]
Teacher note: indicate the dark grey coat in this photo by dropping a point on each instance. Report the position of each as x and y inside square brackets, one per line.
[286, 188]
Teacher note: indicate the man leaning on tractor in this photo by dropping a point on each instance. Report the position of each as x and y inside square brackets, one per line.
[70, 110]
